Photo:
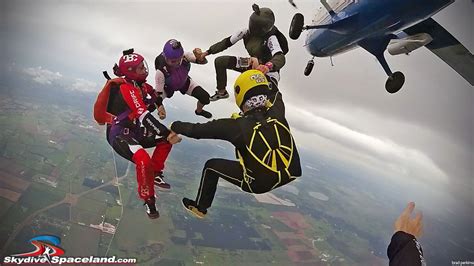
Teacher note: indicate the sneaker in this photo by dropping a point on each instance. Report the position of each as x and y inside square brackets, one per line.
[151, 210]
[160, 182]
[219, 96]
[191, 206]
[204, 113]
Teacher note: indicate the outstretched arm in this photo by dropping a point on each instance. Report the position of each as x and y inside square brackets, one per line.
[404, 249]
[227, 42]
[224, 129]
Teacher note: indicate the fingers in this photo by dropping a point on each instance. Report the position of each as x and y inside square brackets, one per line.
[254, 62]
[418, 224]
[199, 54]
[408, 225]
[418, 217]
[173, 138]
[264, 69]
[409, 209]
[162, 115]
[162, 112]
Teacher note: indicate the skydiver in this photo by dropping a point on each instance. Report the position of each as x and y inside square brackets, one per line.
[267, 153]
[263, 41]
[132, 128]
[172, 68]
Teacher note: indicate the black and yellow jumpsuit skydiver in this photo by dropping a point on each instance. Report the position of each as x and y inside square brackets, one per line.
[268, 157]
[262, 40]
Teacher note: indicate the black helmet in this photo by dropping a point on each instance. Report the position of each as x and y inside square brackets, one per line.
[261, 21]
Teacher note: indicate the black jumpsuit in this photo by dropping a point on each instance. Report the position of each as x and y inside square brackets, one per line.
[268, 157]
[271, 47]
[405, 250]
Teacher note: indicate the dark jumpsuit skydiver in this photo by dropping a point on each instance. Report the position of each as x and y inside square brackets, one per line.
[267, 153]
[263, 41]
[134, 129]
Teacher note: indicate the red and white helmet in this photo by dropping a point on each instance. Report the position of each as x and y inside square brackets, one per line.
[133, 66]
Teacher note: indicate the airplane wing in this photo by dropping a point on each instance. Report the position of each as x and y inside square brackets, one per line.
[446, 47]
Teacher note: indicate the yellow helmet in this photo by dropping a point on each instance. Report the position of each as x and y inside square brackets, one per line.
[250, 80]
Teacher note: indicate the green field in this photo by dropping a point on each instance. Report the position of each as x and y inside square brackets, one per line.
[65, 145]
[81, 241]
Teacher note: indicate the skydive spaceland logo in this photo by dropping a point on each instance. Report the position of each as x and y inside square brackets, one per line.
[46, 248]
[47, 251]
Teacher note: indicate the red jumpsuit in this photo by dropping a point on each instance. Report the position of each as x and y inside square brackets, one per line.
[129, 138]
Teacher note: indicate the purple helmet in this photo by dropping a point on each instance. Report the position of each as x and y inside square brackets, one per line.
[173, 49]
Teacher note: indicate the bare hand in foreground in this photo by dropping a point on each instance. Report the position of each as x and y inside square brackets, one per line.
[408, 225]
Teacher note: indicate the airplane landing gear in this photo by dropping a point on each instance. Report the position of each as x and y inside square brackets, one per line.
[296, 26]
[377, 46]
[309, 67]
[395, 82]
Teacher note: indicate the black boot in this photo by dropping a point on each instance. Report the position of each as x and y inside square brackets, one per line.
[191, 206]
[151, 210]
[204, 113]
[218, 95]
[160, 181]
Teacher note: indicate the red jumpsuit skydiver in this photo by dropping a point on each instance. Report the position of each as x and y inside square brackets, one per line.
[134, 129]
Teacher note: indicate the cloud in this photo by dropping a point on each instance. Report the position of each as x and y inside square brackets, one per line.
[379, 153]
[84, 85]
[42, 76]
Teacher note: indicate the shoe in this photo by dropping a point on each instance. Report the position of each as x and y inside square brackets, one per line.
[160, 182]
[219, 96]
[151, 210]
[191, 206]
[204, 113]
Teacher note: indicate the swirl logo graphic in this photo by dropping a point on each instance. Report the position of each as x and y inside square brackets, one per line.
[46, 246]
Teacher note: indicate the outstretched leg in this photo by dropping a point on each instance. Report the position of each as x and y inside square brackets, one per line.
[231, 171]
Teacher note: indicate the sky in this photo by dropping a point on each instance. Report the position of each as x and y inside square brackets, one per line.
[420, 137]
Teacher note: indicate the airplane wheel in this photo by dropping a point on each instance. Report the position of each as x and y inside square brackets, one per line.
[395, 82]
[296, 26]
[309, 67]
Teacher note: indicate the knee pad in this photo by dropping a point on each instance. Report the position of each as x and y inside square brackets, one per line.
[202, 95]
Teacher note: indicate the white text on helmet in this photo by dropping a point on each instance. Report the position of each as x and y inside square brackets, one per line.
[258, 78]
[130, 58]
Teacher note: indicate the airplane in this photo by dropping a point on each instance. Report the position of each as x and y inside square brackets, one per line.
[398, 26]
